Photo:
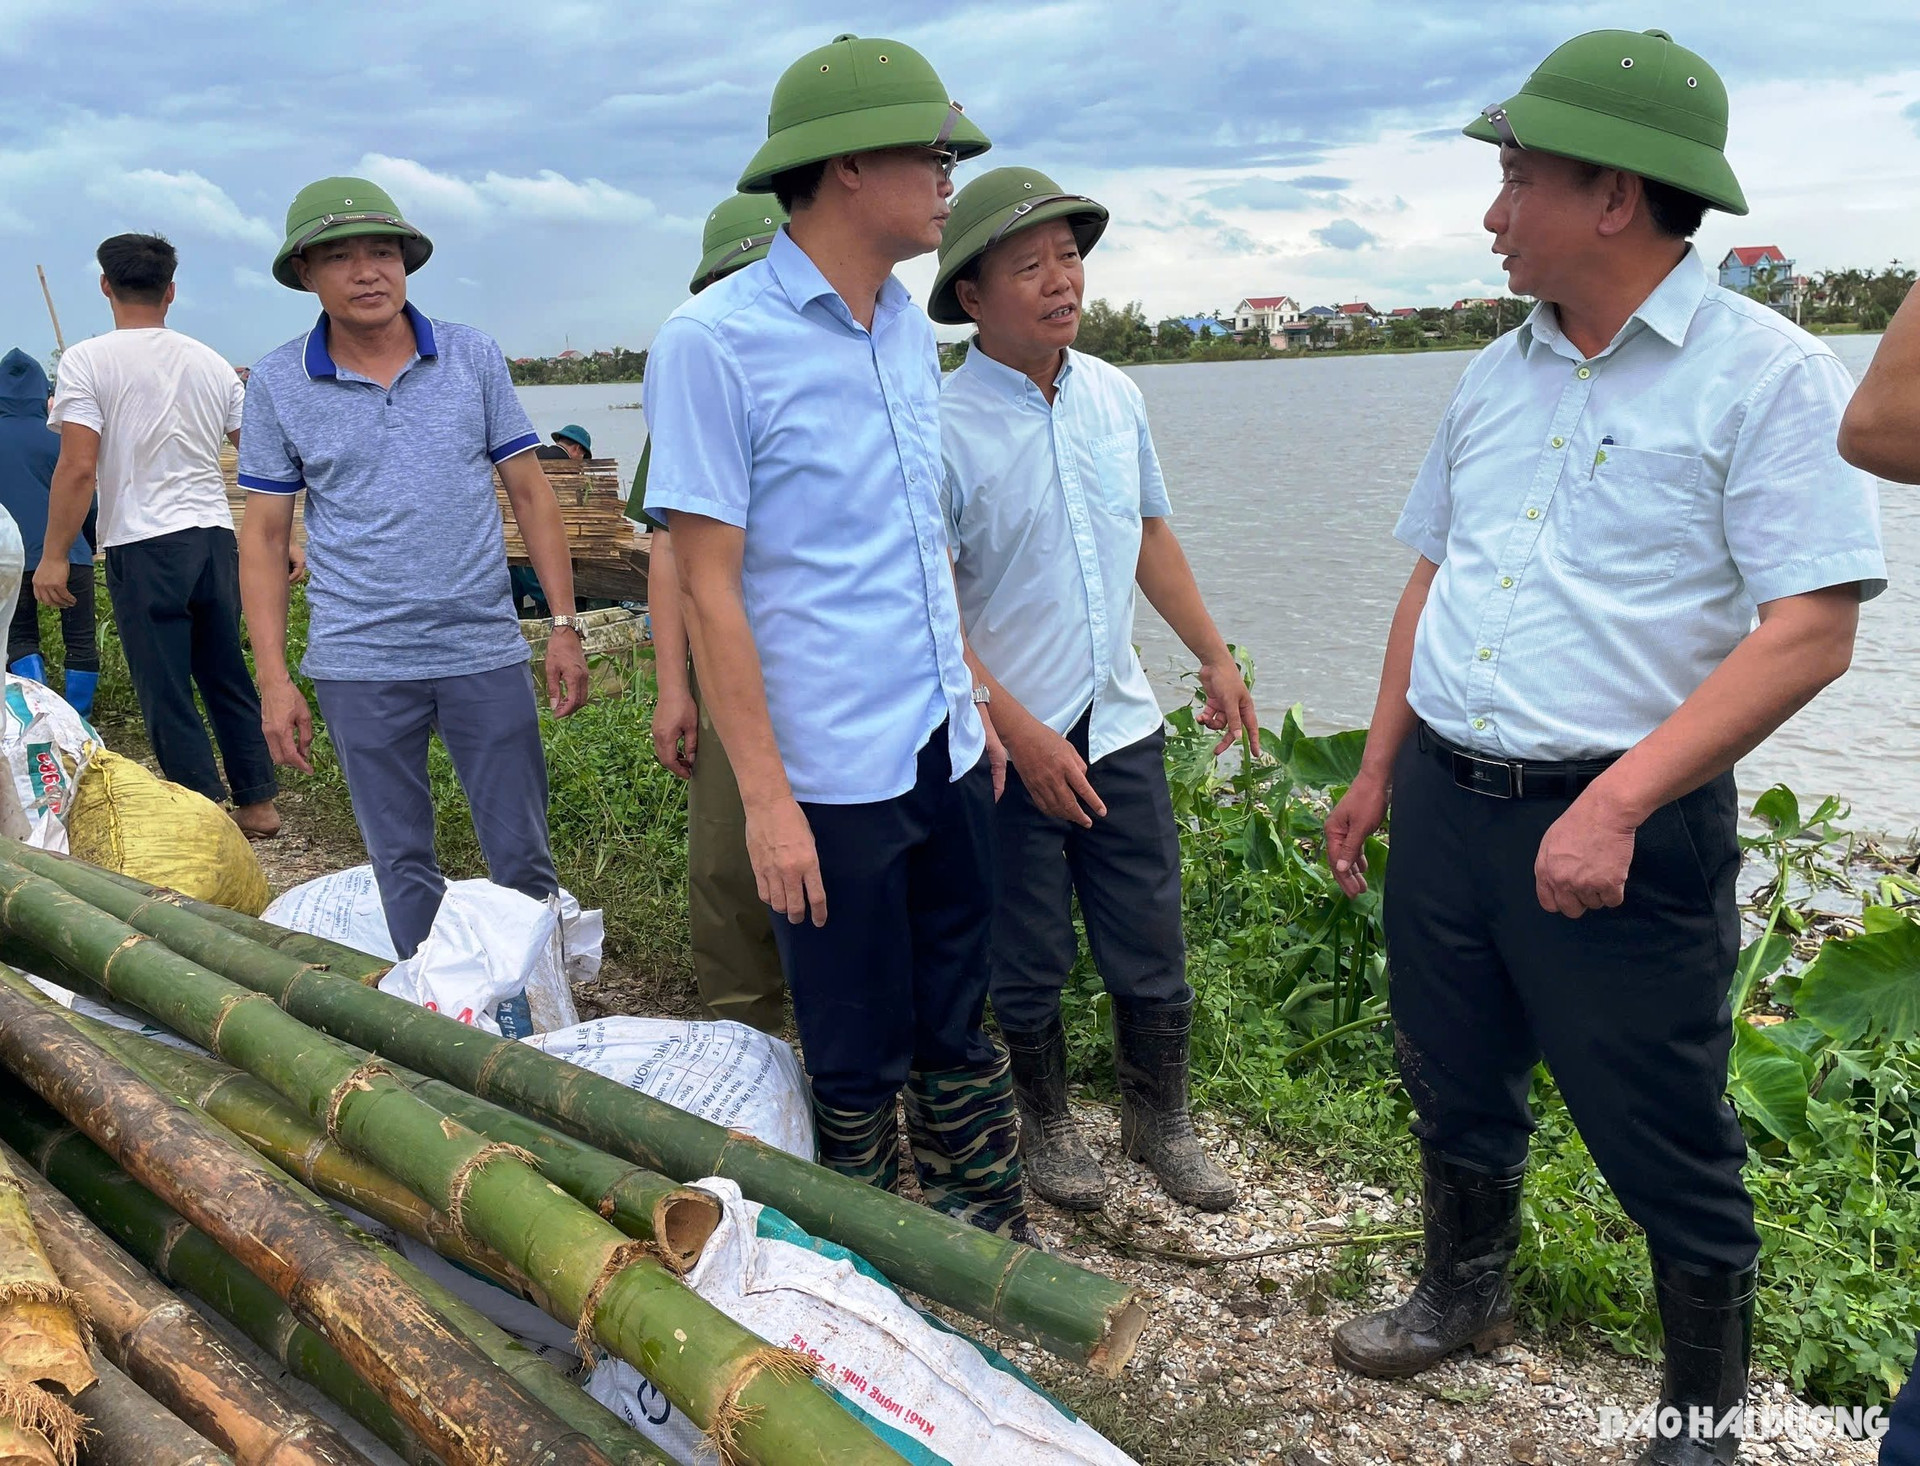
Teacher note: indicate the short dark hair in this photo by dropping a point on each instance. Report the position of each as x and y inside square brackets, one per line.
[796, 187]
[1676, 213]
[138, 267]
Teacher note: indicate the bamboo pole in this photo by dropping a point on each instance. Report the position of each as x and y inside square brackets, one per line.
[676, 1219]
[22, 1447]
[187, 1258]
[43, 1333]
[755, 1400]
[434, 1379]
[1029, 1294]
[127, 1427]
[291, 1141]
[167, 1349]
[53, 315]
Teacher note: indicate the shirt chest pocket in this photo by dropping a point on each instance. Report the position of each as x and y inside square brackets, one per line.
[1116, 473]
[1628, 520]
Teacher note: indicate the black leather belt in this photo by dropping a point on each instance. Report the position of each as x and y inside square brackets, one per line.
[1505, 778]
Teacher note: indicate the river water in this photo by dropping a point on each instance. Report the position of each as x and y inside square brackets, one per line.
[1286, 478]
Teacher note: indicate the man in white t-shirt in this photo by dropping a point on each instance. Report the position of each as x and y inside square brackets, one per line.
[141, 412]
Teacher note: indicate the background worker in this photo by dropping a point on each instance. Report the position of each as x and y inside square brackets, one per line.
[411, 630]
[28, 454]
[735, 962]
[1618, 488]
[142, 412]
[1056, 508]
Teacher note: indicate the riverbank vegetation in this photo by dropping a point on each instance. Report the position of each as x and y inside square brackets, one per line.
[617, 365]
[1292, 1036]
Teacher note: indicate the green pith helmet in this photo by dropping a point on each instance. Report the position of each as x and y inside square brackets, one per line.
[573, 432]
[1625, 99]
[857, 96]
[990, 208]
[738, 232]
[341, 208]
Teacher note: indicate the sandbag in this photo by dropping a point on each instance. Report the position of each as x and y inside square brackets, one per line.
[492, 960]
[725, 1072]
[937, 1397]
[127, 819]
[48, 747]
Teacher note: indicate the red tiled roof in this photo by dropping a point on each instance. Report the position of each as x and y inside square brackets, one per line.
[1266, 302]
[1356, 308]
[1405, 310]
[1754, 254]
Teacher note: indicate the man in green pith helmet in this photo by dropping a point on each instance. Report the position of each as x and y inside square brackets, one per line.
[1056, 509]
[393, 425]
[1619, 487]
[794, 408]
[735, 962]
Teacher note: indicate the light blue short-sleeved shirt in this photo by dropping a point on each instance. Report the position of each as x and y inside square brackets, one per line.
[406, 553]
[773, 410]
[1044, 503]
[1605, 527]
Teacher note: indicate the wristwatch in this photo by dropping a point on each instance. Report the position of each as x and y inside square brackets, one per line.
[567, 623]
[982, 695]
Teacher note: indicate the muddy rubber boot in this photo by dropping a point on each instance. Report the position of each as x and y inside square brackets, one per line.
[965, 1134]
[1156, 1127]
[1707, 1316]
[863, 1144]
[1057, 1161]
[1462, 1299]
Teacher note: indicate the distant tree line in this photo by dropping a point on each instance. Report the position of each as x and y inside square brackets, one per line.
[1863, 298]
[618, 365]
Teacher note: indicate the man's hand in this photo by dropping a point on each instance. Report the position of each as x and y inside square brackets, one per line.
[676, 732]
[1584, 856]
[566, 673]
[1054, 774]
[996, 756]
[296, 564]
[50, 582]
[288, 723]
[1229, 705]
[786, 867]
[1359, 813]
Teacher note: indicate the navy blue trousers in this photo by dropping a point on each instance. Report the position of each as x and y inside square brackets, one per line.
[490, 724]
[1629, 1006]
[896, 981]
[1901, 1444]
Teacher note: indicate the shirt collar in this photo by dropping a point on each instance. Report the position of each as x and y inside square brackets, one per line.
[319, 361]
[804, 284]
[1015, 385]
[1667, 312]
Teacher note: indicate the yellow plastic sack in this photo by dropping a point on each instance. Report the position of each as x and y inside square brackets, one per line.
[129, 820]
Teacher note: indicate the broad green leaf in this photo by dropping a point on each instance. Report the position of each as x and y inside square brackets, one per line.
[1766, 1082]
[1759, 961]
[1883, 918]
[1333, 759]
[1866, 986]
[1780, 808]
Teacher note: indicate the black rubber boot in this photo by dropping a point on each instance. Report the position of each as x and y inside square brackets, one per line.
[1462, 1299]
[1058, 1163]
[1707, 1316]
[965, 1135]
[1156, 1127]
[863, 1144]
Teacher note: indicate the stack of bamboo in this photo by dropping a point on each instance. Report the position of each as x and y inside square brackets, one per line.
[547, 1178]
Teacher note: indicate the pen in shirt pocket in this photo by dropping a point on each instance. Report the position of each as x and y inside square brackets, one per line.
[1600, 454]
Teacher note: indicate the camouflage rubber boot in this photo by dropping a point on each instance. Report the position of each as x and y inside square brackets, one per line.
[1156, 1127]
[1058, 1164]
[965, 1135]
[863, 1144]
[1462, 1299]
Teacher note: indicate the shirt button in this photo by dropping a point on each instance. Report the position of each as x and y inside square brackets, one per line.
[1479, 723]
[1559, 442]
[1584, 373]
[1506, 582]
[1533, 514]
[1485, 654]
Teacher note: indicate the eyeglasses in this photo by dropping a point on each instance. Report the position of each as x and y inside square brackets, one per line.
[945, 159]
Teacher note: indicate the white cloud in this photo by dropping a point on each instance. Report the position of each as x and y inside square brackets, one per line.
[184, 201]
[547, 197]
[251, 279]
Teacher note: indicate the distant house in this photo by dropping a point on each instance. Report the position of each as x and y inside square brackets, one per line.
[1320, 312]
[1264, 315]
[1358, 308]
[1748, 266]
[571, 355]
[1403, 313]
[1471, 302]
[1205, 326]
[1298, 334]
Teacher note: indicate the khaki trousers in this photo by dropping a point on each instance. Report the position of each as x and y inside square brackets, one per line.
[735, 963]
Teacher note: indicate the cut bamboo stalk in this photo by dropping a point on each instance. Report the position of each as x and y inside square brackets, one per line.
[128, 1427]
[187, 1258]
[43, 1333]
[677, 1219]
[755, 1400]
[444, 1388]
[167, 1349]
[538, 1378]
[1029, 1294]
[22, 1447]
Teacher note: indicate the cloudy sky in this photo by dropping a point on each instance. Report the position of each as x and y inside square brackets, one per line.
[562, 154]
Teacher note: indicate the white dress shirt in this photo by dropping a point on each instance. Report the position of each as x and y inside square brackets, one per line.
[1044, 503]
[1605, 527]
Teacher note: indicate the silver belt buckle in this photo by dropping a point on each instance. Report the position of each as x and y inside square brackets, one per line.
[1491, 777]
